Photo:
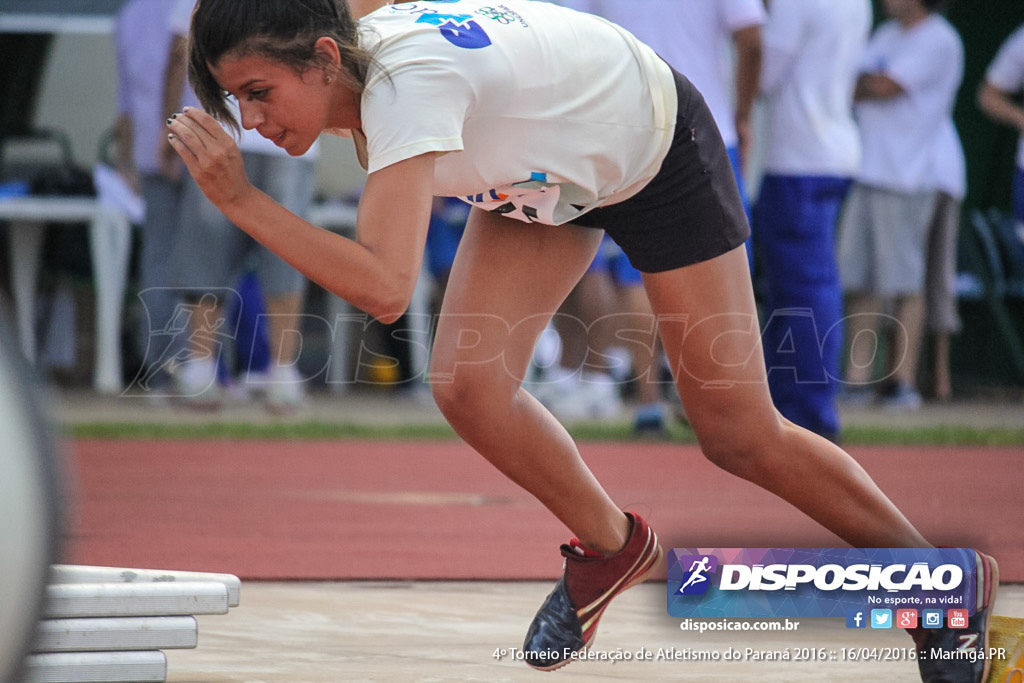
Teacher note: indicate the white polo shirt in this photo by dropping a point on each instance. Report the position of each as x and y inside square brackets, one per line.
[541, 113]
[812, 56]
[1006, 72]
[899, 135]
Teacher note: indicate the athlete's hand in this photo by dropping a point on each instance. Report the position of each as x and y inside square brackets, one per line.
[211, 155]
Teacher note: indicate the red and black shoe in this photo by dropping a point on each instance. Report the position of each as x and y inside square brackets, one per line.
[960, 655]
[567, 621]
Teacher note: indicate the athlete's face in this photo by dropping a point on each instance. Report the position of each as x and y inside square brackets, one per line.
[285, 106]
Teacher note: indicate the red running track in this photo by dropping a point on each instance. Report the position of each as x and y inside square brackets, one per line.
[401, 510]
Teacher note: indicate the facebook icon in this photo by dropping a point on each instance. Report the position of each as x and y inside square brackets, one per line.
[856, 619]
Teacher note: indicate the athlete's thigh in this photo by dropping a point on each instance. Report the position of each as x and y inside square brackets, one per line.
[507, 280]
[708, 323]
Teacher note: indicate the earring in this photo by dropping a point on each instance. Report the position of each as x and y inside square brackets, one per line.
[329, 79]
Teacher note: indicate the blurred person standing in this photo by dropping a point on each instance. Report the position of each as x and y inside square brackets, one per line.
[142, 40]
[1004, 81]
[942, 319]
[812, 55]
[211, 254]
[912, 69]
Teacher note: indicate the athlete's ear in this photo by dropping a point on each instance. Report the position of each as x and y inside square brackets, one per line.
[328, 55]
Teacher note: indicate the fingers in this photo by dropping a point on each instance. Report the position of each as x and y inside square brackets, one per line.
[183, 148]
[188, 137]
[193, 131]
[198, 139]
[199, 121]
[210, 154]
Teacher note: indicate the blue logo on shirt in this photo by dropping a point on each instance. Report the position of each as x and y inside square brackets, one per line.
[458, 29]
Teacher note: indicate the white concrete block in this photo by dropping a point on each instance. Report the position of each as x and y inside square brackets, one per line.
[75, 600]
[94, 667]
[70, 573]
[116, 633]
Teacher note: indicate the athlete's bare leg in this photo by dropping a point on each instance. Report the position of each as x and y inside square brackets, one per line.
[507, 281]
[709, 327]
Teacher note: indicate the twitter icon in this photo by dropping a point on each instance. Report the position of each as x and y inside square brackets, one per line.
[881, 618]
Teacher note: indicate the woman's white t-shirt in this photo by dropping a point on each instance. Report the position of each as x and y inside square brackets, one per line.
[540, 112]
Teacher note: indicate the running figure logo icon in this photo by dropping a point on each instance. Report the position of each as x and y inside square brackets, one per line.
[696, 580]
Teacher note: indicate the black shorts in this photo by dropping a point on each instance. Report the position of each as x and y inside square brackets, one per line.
[691, 210]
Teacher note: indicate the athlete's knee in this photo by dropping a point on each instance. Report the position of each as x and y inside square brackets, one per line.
[742, 450]
[729, 454]
[448, 395]
[463, 394]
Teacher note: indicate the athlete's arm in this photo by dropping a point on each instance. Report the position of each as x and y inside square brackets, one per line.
[748, 73]
[876, 86]
[376, 272]
[173, 86]
[999, 106]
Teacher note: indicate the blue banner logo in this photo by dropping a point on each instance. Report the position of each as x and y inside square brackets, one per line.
[821, 582]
